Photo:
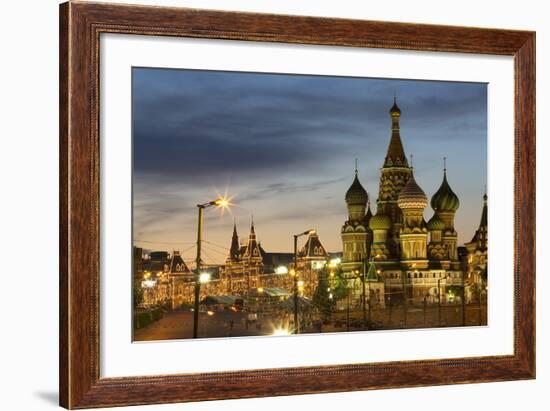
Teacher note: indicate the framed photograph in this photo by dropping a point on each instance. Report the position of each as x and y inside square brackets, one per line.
[259, 205]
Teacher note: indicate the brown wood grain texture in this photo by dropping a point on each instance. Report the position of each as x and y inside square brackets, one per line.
[81, 24]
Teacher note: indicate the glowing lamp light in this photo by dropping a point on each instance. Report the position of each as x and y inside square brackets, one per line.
[280, 331]
[204, 278]
[281, 270]
[148, 283]
[210, 312]
[260, 289]
[334, 262]
[317, 265]
[300, 283]
[223, 202]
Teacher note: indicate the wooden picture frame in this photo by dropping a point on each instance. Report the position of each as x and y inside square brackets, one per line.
[80, 27]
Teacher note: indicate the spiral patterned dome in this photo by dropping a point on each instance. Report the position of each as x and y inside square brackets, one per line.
[445, 199]
[412, 196]
[356, 194]
[436, 223]
[380, 222]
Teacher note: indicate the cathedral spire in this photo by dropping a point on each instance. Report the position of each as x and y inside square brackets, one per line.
[480, 236]
[483, 222]
[252, 250]
[234, 251]
[396, 154]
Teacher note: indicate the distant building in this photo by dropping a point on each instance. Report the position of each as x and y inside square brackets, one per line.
[249, 266]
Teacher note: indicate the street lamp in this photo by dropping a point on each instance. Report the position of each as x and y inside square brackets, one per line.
[308, 232]
[281, 270]
[204, 277]
[224, 203]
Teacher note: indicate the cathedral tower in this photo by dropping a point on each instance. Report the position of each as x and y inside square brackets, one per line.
[477, 251]
[394, 175]
[380, 224]
[445, 203]
[355, 230]
[413, 233]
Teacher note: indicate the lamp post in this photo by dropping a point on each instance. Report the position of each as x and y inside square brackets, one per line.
[479, 300]
[364, 302]
[439, 302]
[220, 202]
[296, 324]
[462, 300]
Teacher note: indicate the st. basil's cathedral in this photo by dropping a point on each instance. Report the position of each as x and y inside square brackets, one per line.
[407, 252]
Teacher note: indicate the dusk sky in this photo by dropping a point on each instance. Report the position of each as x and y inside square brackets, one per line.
[284, 147]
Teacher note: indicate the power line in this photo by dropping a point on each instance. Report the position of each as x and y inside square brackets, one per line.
[216, 245]
[215, 251]
[164, 242]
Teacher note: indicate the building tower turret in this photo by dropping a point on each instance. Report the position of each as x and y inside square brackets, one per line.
[445, 203]
[252, 253]
[477, 250]
[479, 241]
[354, 230]
[380, 224]
[394, 175]
[413, 233]
[234, 251]
[436, 249]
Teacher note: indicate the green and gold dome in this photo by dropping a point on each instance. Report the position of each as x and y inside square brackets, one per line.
[436, 223]
[380, 222]
[445, 199]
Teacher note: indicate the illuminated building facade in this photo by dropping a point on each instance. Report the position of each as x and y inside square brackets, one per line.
[413, 258]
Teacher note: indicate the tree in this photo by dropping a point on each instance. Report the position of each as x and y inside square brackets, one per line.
[138, 294]
[454, 290]
[340, 285]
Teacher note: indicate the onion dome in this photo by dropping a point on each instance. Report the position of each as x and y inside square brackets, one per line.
[356, 194]
[380, 222]
[445, 199]
[436, 223]
[412, 196]
[394, 110]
